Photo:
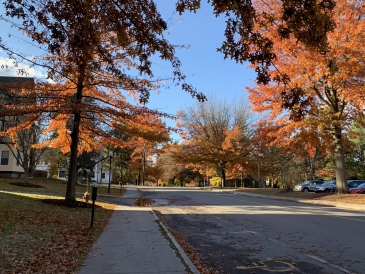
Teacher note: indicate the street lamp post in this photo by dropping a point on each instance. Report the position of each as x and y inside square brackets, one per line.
[220, 163]
[258, 170]
[110, 168]
[143, 164]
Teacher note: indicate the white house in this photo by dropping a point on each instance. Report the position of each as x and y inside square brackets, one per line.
[99, 174]
[9, 166]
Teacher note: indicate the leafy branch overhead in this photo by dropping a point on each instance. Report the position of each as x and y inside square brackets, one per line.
[309, 21]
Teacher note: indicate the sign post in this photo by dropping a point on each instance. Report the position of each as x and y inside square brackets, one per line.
[93, 198]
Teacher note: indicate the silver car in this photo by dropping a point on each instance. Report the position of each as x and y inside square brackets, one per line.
[329, 186]
[308, 186]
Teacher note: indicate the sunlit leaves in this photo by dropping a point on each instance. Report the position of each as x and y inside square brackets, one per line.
[309, 21]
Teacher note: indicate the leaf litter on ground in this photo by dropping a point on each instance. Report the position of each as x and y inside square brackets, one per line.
[46, 237]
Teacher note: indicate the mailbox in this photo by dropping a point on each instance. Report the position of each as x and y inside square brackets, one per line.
[94, 192]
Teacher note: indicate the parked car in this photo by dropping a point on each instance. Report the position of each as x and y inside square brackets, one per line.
[360, 189]
[329, 186]
[354, 183]
[308, 186]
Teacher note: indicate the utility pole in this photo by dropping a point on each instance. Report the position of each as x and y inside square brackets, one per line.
[143, 164]
[258, 170]
[110, 169]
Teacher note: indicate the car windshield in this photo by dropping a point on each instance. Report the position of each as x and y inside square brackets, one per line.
[361, 186]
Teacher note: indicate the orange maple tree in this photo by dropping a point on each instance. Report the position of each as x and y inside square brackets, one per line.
[317, 94]
[89, 49]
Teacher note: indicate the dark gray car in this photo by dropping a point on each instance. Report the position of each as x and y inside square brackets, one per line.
[354, 183]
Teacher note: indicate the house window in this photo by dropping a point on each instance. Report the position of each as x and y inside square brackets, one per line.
[92, 175]
[61, 174]
[4, 124]
[103, 175]
[4, 158]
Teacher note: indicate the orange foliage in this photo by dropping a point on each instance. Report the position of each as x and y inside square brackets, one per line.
[315, 92]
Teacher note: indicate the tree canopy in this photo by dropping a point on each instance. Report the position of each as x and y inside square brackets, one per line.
[315, 96]
[308, 21]
[97, 55]
[215, 133]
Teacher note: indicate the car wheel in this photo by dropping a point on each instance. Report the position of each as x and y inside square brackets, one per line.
[363, 192]
[326, 190]
[305, 190]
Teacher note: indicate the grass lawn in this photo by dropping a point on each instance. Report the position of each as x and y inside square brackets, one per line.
[39, 233]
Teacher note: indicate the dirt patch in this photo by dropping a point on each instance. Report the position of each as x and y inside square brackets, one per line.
[66, 203]
[24, 184]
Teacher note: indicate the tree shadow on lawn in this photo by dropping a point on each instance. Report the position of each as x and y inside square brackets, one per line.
[24, 184]
[57, 202]
[67, 203]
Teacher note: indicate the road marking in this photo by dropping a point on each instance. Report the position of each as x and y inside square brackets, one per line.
[279, 267]
[330, 264]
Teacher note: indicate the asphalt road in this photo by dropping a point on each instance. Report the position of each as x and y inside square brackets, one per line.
[240, 234]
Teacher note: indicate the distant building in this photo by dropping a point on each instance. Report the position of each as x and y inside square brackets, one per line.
[98, 174]
[9, 165]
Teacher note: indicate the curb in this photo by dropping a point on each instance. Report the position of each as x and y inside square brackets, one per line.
[188, 262]
[357, 207]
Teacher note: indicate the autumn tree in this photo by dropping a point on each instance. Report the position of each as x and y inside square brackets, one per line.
[56, 161]
[147, 134]
[21, 134]
[316, 95]
[167, 163]
[215, 133]
[88, 49]
[308, 21]
[355, 153]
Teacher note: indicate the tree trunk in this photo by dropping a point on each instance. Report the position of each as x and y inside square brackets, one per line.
[26, 175]
[223, 176]
[25, 166]
[32, 163]
[340, 168]
[72, 174]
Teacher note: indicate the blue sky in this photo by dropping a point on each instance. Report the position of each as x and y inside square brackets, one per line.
[206, 68]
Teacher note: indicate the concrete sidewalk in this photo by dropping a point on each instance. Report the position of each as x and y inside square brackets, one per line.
[134, 241]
